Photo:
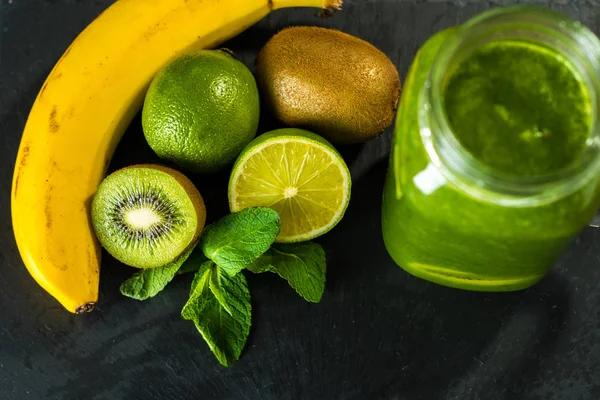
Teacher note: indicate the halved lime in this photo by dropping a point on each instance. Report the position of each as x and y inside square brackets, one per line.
[296, 173]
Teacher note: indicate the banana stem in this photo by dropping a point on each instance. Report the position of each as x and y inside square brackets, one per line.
[332, 5]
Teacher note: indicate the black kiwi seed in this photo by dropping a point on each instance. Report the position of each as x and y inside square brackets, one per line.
[150, 199]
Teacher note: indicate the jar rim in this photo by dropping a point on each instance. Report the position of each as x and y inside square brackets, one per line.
[461, 167]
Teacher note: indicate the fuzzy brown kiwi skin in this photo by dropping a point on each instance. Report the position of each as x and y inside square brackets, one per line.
[327, 81]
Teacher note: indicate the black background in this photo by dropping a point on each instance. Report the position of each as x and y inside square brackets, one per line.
[378, 332]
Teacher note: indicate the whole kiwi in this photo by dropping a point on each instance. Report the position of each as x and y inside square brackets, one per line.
[327, 81]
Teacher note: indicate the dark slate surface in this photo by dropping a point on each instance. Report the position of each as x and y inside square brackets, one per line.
[378, 332]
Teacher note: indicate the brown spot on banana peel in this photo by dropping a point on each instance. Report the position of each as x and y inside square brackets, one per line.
[58, 253]
[53, 124]
[47, 210]
[50, 78]
[90, 260]
[55, 77]
[89, 256]
[16, 185]
[153, 30]
[22, 164]
[65, 54]
[25, 156]
[43, 89]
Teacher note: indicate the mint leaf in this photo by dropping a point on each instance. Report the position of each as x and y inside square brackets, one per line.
[200, 296]
[193, 263]
[303, 265]
[238, 239]
[149, 282]
[216, 289]
[225, 329]
[199, 274]
[263, 264]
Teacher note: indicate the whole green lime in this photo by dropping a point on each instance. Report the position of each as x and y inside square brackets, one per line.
[201, 110]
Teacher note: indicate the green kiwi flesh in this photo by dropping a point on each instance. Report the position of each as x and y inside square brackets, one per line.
[147, 215]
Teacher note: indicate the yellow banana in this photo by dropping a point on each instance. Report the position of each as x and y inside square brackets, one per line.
[80, 114]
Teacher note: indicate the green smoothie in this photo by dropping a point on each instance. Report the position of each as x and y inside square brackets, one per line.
[522, 111]
[519, 108]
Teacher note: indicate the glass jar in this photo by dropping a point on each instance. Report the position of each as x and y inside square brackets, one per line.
[495, 161]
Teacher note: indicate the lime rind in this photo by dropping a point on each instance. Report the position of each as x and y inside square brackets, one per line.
[201, 110]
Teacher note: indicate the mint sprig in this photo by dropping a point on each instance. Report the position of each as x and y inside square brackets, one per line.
[219, 303]
[219, 306]
[219, 300]
[303, 265]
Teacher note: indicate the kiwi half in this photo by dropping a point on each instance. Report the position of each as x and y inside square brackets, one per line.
[147, 215]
